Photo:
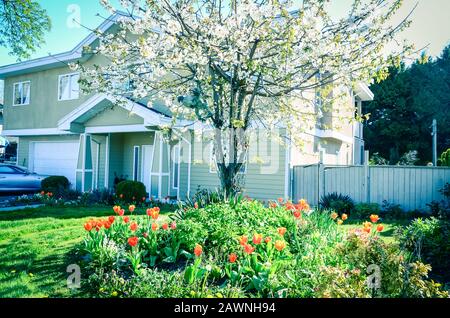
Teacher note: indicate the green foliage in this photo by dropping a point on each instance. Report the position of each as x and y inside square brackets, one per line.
[444, 159]
[405, 105]
[131, 191]
[428, 240]
[24, 23]
[362, 211]
[55, 184]
[337, 202]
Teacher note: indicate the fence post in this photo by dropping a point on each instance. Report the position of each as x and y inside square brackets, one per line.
[321, 182]
[366, 177]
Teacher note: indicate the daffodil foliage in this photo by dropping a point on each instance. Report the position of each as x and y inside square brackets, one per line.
[234, 64]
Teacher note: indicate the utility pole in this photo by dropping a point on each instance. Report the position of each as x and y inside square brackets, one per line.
[434, 134]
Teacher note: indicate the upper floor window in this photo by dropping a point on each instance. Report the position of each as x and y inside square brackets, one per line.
[21, 93]
[68, 87]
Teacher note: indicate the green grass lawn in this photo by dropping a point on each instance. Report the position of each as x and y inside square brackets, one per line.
[388, 232]
[36, 245]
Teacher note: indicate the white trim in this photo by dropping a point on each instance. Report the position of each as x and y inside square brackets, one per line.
[116, 129]
[212, 161]
[176, 154]
[70, 86]
[363, 92]
[135, 169]
[331, 134]
[108, 140]
[97, 164]
[14, 93]
[287, 177]
[83, 162]
[151, 118]
[36, 132]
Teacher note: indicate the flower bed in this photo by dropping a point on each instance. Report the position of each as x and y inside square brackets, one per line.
[246, 249]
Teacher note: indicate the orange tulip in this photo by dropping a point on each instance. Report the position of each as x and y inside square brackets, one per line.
[154, 227]
[280, 245]
[126, 219]
[165, 226]
[198, 250]
[380, 227]
[88, 226]
[257, 238]
[297, 214]
[131, 208]
[267, 239]
[282, 230]
[344, 217]
[334, 215]
[374, 218]
[339, 222]
[243, 240]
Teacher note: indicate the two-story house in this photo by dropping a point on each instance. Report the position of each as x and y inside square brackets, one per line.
[91, 140]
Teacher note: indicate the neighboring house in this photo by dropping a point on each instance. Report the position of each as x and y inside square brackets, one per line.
[93, 141]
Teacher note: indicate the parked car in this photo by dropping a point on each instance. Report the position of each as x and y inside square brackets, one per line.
[19, 179]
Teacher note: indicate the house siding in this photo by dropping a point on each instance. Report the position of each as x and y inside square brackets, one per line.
[265, 177]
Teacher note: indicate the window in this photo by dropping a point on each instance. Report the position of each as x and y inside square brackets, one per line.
[21, 93]
[68, 87]
[7, 169]
[135, 163]
[176, 166]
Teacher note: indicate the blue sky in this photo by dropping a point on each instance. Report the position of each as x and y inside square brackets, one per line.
[431, 24]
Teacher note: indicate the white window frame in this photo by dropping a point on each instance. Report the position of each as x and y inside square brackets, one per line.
[135, 169]
[60, 99]
[14, 93]
[176, 154]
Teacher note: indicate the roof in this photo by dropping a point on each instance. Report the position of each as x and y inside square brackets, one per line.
[61, 59]
[97, 103]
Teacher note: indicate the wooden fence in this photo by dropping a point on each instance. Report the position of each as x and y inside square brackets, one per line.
[411, 187]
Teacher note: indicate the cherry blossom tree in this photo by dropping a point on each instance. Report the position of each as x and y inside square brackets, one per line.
[235, 64]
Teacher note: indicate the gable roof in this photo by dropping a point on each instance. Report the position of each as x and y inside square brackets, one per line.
[60, 59]
[99, 102]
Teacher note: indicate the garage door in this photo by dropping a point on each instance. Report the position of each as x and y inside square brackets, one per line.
[56, 159]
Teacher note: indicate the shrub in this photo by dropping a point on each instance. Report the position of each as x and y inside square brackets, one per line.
[131, 191]
[362, 211]
[337, 202]
[429, 241]
[55, 184]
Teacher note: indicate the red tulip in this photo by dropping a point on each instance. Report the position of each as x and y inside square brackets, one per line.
[232, 258]
[132, 241]
[198, 250]
[133, 226]
[248, 249]
[126, 219]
